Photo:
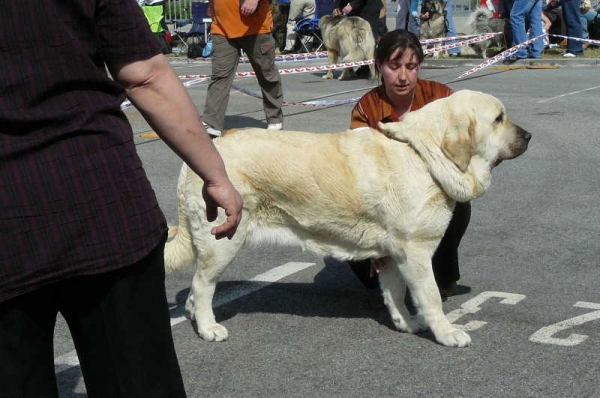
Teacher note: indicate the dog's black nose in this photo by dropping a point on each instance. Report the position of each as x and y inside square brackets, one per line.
[523, 133]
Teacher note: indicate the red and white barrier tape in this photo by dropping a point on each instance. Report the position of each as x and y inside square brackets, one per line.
[463, 43]
[297, 57]
[589, 41]
[288, 71]
[245, 60]
[318, 54]
[503, 55]
[305, 103]
[443, 39]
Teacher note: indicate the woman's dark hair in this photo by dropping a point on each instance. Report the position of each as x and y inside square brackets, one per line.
[398, 39]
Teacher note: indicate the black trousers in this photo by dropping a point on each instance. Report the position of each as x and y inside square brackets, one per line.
[445, 258]
[120, 325]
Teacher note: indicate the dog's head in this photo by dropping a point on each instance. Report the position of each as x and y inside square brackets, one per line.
[461, 138]
[467, 124]
[478, 126]
[433, 7]
[329, 20]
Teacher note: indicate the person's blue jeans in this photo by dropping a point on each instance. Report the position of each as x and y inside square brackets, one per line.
[584, 26]
[403, 17]
[586, 19]
[571, 13]
[451, 27]
[527, 15]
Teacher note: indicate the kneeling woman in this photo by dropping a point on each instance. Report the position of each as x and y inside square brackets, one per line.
[398, 60]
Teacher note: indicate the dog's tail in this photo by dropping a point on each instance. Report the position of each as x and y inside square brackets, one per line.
[179, 251]
[359, 35]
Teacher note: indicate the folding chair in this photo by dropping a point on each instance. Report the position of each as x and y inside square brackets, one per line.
[199, 30]
[308, 28]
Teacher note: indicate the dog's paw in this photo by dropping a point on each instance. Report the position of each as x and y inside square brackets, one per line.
[328, 75]
[454, 338]
[214, 332]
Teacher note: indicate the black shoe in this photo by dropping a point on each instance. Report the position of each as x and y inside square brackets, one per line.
[286, 52]
[452, 289]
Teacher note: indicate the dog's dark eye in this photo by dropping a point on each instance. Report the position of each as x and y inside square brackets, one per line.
[500, 118]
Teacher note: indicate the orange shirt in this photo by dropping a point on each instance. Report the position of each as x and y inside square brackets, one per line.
[228, 21]
[375, 106]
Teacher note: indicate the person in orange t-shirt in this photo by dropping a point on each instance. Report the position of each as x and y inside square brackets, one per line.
[242, 25]
[398, 60]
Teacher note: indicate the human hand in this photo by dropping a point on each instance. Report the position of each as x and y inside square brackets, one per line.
[424, 16]
[347, 9]
[248, 7]
[228, 198]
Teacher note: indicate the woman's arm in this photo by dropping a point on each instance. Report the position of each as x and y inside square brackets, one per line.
[156, 91]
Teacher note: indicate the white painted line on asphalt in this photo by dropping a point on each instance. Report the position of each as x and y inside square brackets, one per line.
[567, 94]
[70, 360]
[258, 282]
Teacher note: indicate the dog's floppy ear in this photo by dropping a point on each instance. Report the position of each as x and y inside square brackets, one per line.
[457, 143]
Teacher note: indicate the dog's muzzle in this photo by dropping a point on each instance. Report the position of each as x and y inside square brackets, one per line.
[521, 142]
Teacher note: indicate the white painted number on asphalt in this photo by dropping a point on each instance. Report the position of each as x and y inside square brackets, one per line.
[544, 335]
[473, 305]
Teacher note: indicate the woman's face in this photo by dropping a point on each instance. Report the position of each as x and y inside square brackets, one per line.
[400, 74]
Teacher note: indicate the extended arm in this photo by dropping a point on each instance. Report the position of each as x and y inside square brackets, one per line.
[156, 91]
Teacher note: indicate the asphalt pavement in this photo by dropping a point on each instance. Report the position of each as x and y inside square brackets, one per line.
[302, 327]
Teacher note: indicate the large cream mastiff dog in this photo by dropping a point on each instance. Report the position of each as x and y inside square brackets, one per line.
[353, 195]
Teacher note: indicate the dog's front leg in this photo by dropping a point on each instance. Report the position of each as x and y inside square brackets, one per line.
[418, 274]
[331, 58]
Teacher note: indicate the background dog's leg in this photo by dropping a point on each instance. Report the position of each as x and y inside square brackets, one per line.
[372, 72]
[354, 54]
[331, 58]
[214, 258]
[418, 274]
[393, 290]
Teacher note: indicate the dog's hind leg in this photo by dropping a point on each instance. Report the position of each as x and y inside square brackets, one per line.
[393, 290]
[418, 274]
[353, 55]
[331, 59]
[372, 73]
[214, 257]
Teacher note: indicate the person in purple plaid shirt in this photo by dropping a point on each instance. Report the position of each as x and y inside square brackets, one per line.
[81, 232]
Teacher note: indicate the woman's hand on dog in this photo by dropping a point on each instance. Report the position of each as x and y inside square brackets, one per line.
[223, 195]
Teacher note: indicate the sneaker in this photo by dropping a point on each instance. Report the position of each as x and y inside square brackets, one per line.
[569, 55]
[275, 126]
[213, 132]
[511, 60]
